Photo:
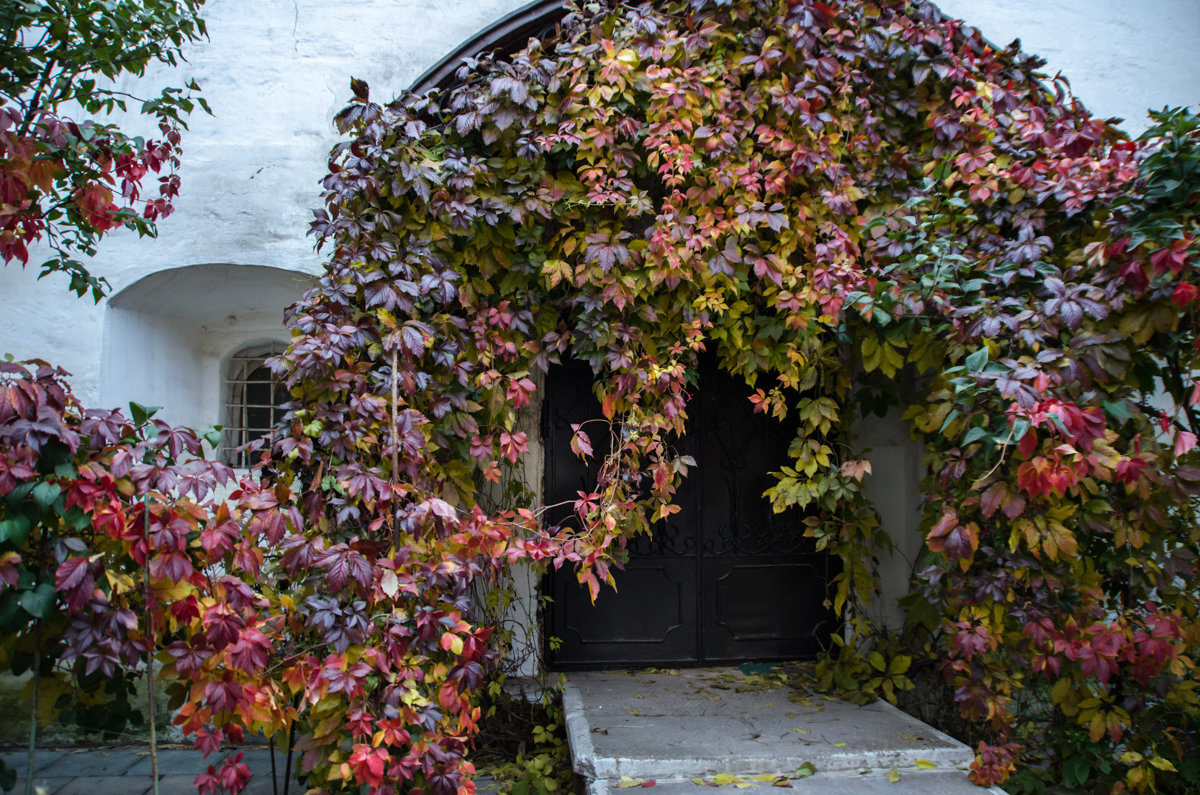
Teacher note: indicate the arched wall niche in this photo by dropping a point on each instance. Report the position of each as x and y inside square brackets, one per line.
[169, 336]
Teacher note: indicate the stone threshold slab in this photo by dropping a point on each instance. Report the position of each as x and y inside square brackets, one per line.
[672, 726]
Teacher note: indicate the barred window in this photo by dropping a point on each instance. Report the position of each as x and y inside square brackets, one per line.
[252, 402]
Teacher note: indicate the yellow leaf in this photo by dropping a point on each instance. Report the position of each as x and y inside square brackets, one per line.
[629, 783]
[721, 779]
[893, 776]
[49, 689]
[924, 764]
[744, 785]
[1097, 727]
[120, 583]
[839, 745]
[763, 777]
[173, 591]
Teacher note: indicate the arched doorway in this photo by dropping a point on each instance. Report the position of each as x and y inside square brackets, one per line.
[724, 580]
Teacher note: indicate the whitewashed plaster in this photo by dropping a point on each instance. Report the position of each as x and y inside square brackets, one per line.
[1121, 57]
[275, 72]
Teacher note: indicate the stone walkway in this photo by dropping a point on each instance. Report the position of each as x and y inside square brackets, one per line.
[695, 729]
[663, 729]
[127, 771]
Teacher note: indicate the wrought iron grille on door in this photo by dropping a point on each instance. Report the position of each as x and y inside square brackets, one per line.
[723, 580]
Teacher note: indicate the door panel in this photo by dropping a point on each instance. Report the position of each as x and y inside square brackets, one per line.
[650, 618]
[726, 579]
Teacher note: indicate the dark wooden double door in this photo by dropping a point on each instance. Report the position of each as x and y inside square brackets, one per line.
[724, 580]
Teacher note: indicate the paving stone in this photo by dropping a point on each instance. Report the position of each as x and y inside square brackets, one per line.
[176, 784]
[102, 785]
[171, 761]
[18, 759]
[87, 763]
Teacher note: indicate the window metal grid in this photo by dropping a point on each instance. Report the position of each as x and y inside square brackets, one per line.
[253, 400]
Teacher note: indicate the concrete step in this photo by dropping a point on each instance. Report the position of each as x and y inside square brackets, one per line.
[678, 725]
[874, 782]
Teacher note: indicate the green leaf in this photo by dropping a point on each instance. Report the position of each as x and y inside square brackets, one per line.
[45, 493]
[1019, 429]
[141, 413]
[976, 433]
[977, 360]
[39, 602]
[893, 776]
[15, 530]
[1075, 771]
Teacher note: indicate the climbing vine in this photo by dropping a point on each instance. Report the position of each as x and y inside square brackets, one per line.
[851, 206]
[839, 201]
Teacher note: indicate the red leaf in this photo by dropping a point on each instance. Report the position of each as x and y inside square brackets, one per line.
[1184, 442]
[581, 445]
[76, 579]
[992, 499]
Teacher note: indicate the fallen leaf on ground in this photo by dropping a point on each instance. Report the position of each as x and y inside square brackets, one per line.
[839, 745]
[805, 770]
[629, 783]
[924, 764]
[893, 776]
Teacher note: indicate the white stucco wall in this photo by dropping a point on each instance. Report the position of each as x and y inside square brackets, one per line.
[1121, 57]
[275, 72]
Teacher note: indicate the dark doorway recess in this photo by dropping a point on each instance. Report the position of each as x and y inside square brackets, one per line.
[724, 580]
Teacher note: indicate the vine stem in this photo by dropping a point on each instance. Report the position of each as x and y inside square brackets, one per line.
[150, 651]
[395, 449]
[37, 678]
[33, 722]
